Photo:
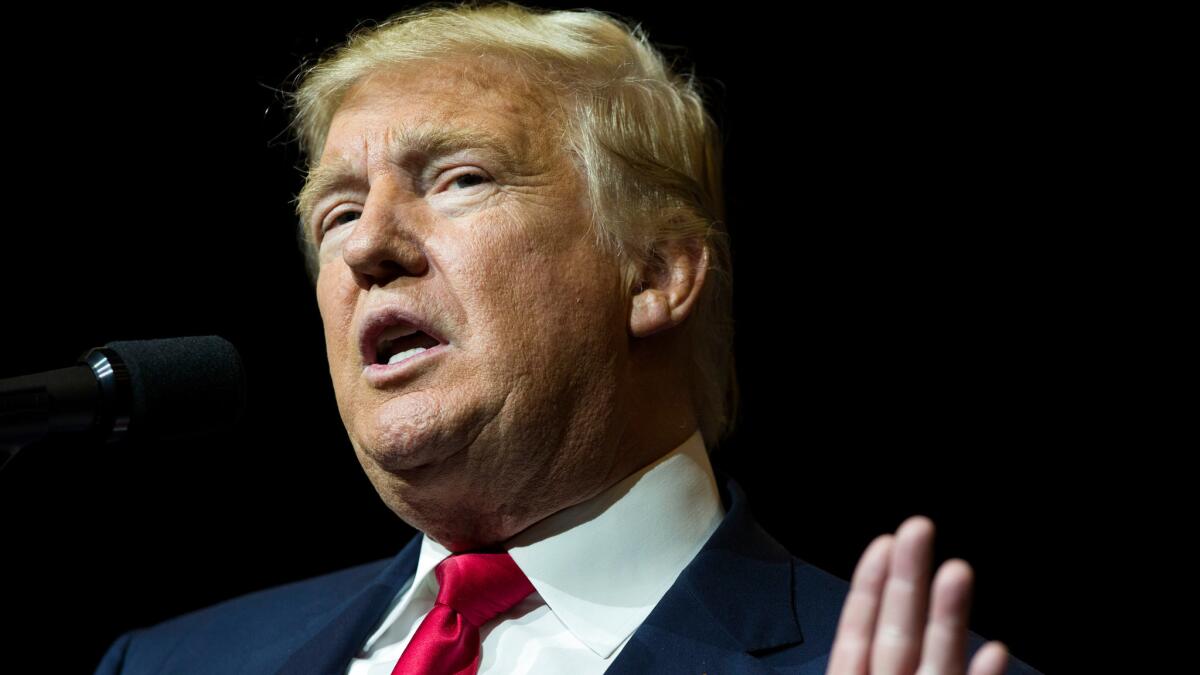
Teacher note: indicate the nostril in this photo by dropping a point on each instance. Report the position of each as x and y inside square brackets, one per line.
[379, 266]
[382, 272]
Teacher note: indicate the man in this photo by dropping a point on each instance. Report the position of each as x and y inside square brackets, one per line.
[515, 230]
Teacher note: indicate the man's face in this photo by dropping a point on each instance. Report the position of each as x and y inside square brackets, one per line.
[515, 414]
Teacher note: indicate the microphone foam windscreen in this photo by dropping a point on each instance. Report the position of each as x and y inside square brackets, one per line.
[183, 387]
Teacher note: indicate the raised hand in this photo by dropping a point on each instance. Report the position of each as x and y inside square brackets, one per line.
[889, 626]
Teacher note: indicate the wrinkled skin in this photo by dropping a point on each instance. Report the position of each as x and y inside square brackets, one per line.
[538, 402]
[556, 382]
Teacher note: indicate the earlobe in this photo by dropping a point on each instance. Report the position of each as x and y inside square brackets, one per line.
[649, 313]
[666, 296]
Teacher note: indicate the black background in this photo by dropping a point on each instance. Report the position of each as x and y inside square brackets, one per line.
[909, 294]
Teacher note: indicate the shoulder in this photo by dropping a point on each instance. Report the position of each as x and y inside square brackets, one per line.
[247, 630]
[746, 554]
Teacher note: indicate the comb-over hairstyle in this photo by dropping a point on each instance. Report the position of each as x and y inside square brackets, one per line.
[645, 145]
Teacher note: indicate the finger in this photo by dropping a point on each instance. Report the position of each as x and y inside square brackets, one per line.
[852, 644]
[896, 648]
[991, 659]
[945, 648]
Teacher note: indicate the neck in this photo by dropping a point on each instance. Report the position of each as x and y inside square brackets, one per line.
[660, 412]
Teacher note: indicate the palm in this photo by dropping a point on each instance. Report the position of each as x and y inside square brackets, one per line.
[889, 625]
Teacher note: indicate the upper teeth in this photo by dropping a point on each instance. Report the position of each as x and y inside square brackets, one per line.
[393, 332]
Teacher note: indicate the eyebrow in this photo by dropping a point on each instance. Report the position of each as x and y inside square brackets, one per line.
[421, 143]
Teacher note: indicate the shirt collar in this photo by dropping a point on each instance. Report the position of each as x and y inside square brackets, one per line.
[602, 565]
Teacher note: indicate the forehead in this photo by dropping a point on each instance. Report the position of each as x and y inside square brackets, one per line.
[471, 100]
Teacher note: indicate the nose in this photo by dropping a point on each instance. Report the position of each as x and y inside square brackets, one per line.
[384, 244]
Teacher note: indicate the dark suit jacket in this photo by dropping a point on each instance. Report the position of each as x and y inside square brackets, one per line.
[743, 605]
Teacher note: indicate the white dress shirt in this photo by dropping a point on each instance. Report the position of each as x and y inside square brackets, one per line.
[598, 568]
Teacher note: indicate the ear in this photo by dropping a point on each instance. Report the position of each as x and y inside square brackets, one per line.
[667, 292]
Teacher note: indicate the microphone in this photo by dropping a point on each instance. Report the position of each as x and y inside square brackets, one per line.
[170, 389]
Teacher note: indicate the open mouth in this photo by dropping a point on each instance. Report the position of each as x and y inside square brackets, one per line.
[392, 334]
[400, 342]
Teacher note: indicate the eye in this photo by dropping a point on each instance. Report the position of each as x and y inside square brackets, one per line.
[468, 180]
[337, 220]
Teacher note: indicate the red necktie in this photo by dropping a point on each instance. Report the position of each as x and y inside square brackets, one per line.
[473, 588]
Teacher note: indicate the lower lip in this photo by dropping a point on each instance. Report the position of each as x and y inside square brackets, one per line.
[383, 374]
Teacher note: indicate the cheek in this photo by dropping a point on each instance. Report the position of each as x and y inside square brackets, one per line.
[336, 306]
[335, 299]
[493, 277]
[553, 307]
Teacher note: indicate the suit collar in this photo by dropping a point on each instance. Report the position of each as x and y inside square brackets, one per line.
[335, 636]
[636, 537]
[735, 598]
[745, 578]
[733, 601]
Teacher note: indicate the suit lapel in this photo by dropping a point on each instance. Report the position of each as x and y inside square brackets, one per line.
[733, 602]
[334, 637]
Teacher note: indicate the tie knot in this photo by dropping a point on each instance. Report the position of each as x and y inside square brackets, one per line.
[481, 586]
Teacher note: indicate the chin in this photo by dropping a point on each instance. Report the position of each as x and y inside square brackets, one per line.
[403, 435]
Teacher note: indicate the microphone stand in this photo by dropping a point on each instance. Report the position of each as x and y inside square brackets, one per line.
[67, 400]
[24, 418]
[7, 452]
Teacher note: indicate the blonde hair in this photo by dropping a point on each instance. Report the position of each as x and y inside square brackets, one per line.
[648, 149]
